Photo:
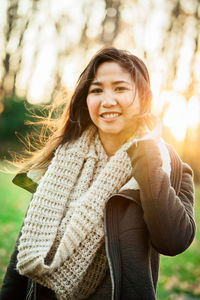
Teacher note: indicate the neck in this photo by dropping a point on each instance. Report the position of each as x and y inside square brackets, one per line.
[111, 143]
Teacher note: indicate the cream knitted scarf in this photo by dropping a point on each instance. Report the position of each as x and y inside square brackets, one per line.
[62, 241]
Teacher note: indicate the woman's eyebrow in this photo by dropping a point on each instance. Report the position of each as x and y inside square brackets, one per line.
[121, 81]
[98, 83]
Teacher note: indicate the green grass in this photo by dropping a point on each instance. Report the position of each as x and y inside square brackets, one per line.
[181, 274]
[178, 275]
[13, 204]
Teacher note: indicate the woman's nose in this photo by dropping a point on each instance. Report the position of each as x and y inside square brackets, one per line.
[108, 100]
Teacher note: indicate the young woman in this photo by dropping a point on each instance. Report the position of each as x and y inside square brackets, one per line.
[109, 195]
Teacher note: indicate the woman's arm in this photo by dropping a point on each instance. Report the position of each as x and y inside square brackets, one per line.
[14, 285]
[168, 213]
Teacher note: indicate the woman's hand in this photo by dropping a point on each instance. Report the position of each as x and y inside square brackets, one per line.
[149, 129]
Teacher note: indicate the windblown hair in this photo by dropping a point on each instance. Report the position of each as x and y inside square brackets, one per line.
[75, 117]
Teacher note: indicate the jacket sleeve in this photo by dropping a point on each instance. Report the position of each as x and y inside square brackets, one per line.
[14, 285]
[168, 213]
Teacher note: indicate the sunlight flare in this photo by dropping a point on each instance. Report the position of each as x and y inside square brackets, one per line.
[181, 115]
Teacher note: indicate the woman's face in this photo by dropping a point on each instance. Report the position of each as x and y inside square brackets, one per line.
[112, 102]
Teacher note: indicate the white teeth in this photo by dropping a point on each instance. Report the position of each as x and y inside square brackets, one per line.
[112, 115]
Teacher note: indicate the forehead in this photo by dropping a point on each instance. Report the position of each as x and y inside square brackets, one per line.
[113, 70]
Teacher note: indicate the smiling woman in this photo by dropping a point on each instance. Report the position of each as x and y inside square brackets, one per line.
[109, 195]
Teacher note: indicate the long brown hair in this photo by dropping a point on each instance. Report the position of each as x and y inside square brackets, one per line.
[75, 117]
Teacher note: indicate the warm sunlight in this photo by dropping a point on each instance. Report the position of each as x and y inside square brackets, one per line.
[41, 81]
[193, 112]
[181, 115]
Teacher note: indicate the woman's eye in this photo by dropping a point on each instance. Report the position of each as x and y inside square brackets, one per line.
[96, 91]
[120, 88]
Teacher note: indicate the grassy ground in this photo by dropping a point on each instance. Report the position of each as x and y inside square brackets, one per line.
[13, 205]
[179, 275]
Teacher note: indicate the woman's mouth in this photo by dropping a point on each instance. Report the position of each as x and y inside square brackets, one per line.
[110, 115]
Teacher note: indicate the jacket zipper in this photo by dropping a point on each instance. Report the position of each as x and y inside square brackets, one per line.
[30, 292]
[109, 259]
[107, 249]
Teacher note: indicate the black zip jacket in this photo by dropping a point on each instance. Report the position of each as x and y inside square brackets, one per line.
[139, 226]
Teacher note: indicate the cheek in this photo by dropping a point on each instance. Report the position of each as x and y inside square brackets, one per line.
[132, 109]
[126, 100]
[135, 106]
[92, 107]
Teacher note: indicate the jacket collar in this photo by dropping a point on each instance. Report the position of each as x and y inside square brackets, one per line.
[23, 181]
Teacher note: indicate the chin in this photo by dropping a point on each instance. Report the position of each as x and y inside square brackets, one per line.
[112, 131]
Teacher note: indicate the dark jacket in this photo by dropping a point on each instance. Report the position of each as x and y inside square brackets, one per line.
[139, 225]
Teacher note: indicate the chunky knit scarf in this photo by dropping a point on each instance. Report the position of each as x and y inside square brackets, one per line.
[62, 241]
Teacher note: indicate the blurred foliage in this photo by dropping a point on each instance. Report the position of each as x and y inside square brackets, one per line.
[13, 126]
[12, 118]
[44, 44]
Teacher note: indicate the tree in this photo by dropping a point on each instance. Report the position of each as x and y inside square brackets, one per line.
[165, 34]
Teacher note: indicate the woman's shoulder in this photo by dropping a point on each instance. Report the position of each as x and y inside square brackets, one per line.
[180, 171]
[176, 160]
